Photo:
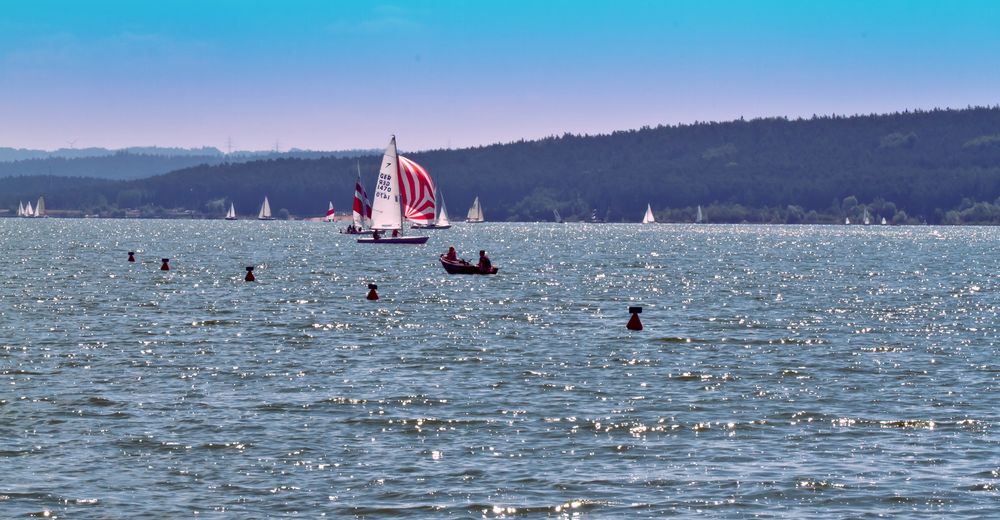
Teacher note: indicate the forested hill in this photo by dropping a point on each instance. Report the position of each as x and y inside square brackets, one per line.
[905, 165]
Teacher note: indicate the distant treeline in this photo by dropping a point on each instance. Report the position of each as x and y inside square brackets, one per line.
[938, 166]
[135, 163]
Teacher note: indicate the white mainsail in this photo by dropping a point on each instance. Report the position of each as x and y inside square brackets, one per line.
[28, 210]
[701, 217]
[883, 221]
[265, 210]
[866, 220]
[475, 212]
[442, 218]
[20, 209]
[386, 210]
[231, 214]
[557, 216]
[40, 207]
[648, 217]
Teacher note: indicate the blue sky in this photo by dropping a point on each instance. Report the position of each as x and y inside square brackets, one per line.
[339, 74]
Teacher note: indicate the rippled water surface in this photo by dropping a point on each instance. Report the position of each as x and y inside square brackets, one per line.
[783, 372]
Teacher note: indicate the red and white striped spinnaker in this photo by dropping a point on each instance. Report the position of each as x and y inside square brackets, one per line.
[417, 191]
[362, 210]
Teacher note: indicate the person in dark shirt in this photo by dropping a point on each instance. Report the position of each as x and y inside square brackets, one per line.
[376, 235]
[452, 255]
[484, 261]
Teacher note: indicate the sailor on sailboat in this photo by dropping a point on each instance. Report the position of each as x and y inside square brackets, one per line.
[265, 211]
[392, 196]
[648, 217]
[475, 212]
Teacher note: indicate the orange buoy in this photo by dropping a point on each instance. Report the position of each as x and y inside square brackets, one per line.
[633, 322]
[165, 267]
[372, 294]
[250, 277]
[131, 256]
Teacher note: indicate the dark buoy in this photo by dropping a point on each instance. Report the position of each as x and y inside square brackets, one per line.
[372, 294]
[165, 267]
[633, 322]
[250, 277]
[131, 256]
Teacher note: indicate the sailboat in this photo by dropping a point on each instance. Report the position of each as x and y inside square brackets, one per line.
[265, 211]
[475, 212]
[231, 214]
[700, 219]
[866, 220]
[558, 218]
[361, 210]
[883, 221]
[40, 207]
[847, 221]
[28, 210]
[648, 217]
[441, 220]
[329, 213]
[20, 209]
[393, 196]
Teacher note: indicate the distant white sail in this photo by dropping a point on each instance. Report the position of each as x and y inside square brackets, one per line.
[883, 221]
[442, 218]
[40, 207]
[557, 216]
[330, 213]
[701, 217]
[475, 212]
[231, 214]
[28, 210]
[265, 211]
[648, 217]
[20, 209]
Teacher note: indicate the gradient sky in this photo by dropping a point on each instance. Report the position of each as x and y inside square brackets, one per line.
[339, 75]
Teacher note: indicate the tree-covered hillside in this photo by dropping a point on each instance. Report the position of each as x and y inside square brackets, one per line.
[918, 165]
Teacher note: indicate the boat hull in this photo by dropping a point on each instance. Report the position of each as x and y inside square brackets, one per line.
[365, 232]
[393, 240]
[430, 226]
[463, 267]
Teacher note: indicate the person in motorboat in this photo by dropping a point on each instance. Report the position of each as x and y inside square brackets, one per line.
[484, 261]
[452, 255]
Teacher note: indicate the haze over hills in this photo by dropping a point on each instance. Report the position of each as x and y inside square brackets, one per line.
[936, 165]
[134, 162]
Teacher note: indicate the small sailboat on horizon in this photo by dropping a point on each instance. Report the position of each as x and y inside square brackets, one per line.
[441, 220]
[265, 211]
[329, 213]
[475, 214]
[648, 218]
[28, 210]
[865, 220]
[557, 217]
[231, 214]
[700, 218]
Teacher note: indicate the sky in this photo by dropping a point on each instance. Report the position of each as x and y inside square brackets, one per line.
[336, 75]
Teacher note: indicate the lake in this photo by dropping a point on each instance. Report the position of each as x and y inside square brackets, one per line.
[784, 371]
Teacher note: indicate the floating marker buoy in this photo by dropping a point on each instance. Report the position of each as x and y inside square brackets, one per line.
[372, 295]
[165, 267]
[131, 256]
[250, 277]
[633, 322]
